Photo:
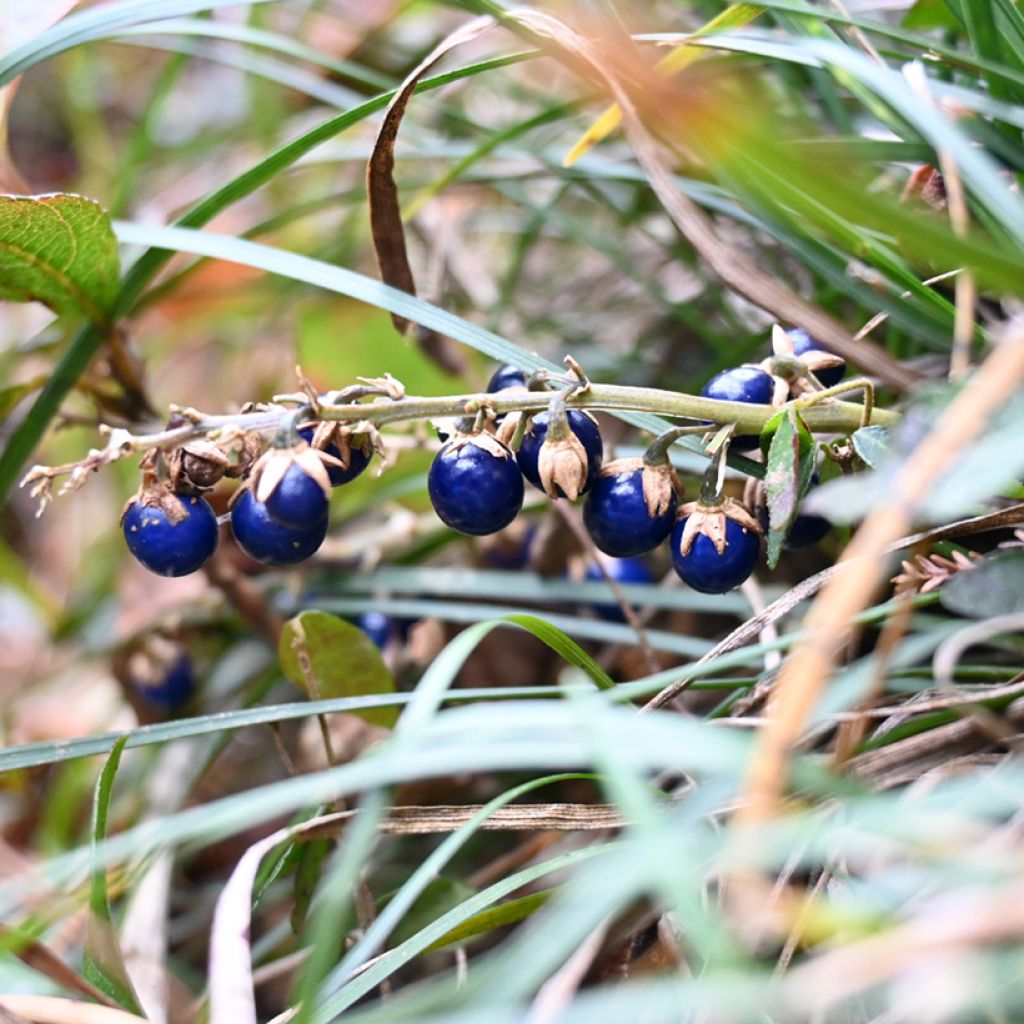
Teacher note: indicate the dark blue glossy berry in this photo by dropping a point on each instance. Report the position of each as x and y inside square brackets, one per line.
[617, 518]
[706, 570]
[473, 490]
[804, 343]
[582, 426]
[298, 500]
[506, 376]
[624, 571]
[510, 552]
[377, 626]
[741, 384]
[358, 460]
[806, 531]
[171, 549]
[266, 539]
[173, 690]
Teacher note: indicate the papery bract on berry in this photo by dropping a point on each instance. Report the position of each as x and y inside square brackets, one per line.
[586, 432]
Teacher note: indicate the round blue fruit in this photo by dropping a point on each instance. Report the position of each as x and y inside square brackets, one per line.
[167, 548]
[624, 571]
[617, 518]
[704, 569]
[173, 690]
[358, 460]
[806, 531]
[741, 384]
[804, 343]
[377, 626]
[267, 540]
[506, 376]
[298, 500]
[582, 426]
[474, 490]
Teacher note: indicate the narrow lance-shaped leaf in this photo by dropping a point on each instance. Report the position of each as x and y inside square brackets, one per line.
[59, 250]
[103, 962]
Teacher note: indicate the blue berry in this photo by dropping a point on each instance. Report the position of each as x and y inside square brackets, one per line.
[168, 548]
[741, 384]
[267, 540]
[475, 490]
[704, 569]
[804, 343]
[298, 500]
[624, 571]
[582, 426]
[173, 690]
[506, 376]
[806, 531]
[617, 517]
[358, 460]
[377, 626]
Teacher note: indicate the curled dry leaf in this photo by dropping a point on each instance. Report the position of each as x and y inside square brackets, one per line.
[385, 211]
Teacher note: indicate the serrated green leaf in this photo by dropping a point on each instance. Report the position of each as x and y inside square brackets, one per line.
[871, 444]
[995, 587]
[59, 250]
[102, 961]
[329, 657]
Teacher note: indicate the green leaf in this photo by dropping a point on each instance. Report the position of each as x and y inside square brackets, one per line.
[871, 444]
[102, 961]
[307, 874]
[329, 657]
[995, 587]
[11, 396]
[565, 647]
[790, 443]
[59, 250]
[508, 913]
[438, 897]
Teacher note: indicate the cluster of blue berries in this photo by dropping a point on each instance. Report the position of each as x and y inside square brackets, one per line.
[278, 518]
[632, 505]
[280, 515]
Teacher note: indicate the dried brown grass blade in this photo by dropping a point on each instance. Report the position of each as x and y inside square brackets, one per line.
[783, 605]
[386, 224]
[730, 265]
[862, 568]
[55, 1010]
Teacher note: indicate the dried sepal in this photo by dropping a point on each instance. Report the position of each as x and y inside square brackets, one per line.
[199, 464]
[157, 494]
[507, 428]
[711, 522]
[661, 486]
[271, 467]
[483, 440]
[563, 465]
[925, 573]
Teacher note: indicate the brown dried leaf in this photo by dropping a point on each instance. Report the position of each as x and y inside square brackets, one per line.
[385, 210]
